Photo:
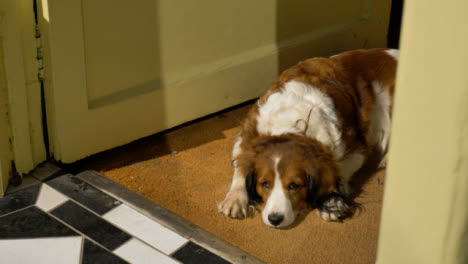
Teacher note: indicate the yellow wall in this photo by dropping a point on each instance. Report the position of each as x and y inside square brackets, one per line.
[425, 211]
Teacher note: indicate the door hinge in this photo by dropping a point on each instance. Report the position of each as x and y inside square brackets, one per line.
[40, 61]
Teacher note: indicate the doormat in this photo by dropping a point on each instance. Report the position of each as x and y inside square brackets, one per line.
[188, 170]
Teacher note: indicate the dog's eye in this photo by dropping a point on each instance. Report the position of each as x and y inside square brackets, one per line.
[265, 185]
[293, 186]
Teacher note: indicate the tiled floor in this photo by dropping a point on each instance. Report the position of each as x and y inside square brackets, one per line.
[66, 220]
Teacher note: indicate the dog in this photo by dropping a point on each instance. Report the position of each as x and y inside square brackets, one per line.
[309, 133]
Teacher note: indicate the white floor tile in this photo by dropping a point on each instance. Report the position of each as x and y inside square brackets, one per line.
[49, 198]
[137, 252]
[41, 250]
[145, 229]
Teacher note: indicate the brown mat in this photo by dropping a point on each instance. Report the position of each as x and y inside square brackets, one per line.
[188, 170]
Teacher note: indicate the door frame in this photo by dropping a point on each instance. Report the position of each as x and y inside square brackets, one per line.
[23, 87]
[425, 212]
[6, 155]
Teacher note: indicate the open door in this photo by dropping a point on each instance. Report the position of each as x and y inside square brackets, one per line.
[116, 70]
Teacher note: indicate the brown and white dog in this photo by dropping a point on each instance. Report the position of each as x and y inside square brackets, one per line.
[309, 133]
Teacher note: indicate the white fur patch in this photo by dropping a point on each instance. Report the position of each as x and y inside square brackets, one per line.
[394, 53]
[278, 202]
[238, 182]
[236, 150]
[282, 110]
[236, 200]
[380, 124]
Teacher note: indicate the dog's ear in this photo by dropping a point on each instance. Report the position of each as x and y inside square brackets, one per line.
[251, 186]
[321, 184]
[312, 191]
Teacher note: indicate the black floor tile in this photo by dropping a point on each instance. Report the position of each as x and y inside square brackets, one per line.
[91, 225]
[32, 223]
[20, 199]
[192, 253]
[84, 193]
[93, 253]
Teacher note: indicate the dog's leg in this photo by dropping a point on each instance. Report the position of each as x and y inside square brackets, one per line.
[236, 201]
[337, 206]
[349, 166]
[382, 145]
[380, 126]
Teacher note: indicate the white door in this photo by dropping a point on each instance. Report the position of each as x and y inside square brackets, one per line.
[120, 70]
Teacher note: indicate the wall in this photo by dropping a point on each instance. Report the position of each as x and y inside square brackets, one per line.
[425, 211]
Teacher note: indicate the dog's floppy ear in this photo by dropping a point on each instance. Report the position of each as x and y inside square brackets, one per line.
[251, 186]
[312, 191]
[321, 184]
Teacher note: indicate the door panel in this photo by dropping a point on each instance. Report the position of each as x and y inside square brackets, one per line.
[119, 55]
[118, 71]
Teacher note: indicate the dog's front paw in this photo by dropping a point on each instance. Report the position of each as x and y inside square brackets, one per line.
[235, 204]
[335, 208]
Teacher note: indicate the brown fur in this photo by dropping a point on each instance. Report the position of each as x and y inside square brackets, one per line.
[347, 80]
[352, 73]
[302, 158]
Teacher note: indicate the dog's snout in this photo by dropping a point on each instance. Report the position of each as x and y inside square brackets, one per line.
[275, 219]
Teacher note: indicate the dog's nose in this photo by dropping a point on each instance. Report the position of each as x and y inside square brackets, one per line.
[275, 219]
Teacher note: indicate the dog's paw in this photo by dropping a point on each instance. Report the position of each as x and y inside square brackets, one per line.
[235, 204]
[335, 208]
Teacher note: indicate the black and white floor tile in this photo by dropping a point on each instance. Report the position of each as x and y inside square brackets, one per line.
[66, 220]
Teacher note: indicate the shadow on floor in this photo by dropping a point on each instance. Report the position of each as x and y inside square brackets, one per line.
[177, 139]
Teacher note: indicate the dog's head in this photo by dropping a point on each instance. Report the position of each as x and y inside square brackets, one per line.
[286, 174]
